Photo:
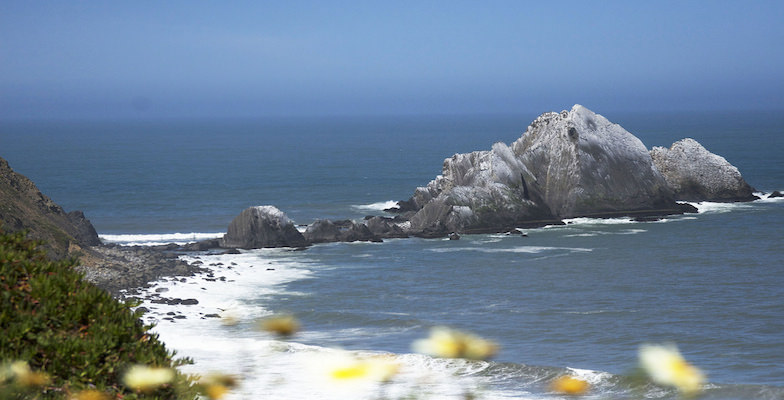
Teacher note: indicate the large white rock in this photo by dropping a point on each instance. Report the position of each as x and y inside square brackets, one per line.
[696, 174]
[583, 164]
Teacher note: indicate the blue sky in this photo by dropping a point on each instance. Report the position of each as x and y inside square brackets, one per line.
[221, 59]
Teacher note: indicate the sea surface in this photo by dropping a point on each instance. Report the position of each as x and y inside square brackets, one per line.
[573, 299]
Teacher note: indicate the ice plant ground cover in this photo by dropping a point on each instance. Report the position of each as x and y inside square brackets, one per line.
[63, 336]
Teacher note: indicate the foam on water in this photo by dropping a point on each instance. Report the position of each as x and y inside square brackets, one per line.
[516, 249]
[378, 206]
[158, 239]
[596, 221]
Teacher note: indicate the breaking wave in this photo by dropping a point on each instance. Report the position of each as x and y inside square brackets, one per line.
[158, 239]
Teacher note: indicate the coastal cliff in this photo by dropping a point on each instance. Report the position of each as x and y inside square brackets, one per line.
[69, 234]
[24, 207]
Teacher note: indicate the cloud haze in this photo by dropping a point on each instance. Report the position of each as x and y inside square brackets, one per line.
[173, 59]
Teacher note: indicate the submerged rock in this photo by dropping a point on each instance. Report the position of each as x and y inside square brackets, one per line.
[695, 174]
[262, 226]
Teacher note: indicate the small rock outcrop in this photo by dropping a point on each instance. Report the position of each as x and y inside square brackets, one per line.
[262, 226]
[23, 206]
[695, 174]
[324, 230]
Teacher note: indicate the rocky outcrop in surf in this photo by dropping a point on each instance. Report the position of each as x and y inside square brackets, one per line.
[695, 174]
[262, 226]
[568, 164]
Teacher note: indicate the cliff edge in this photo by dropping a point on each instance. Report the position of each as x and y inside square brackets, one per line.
[23, 206]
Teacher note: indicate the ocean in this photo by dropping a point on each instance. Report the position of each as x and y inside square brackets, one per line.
[574, 299]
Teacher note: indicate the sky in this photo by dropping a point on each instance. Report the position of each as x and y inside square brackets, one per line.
[153, 59]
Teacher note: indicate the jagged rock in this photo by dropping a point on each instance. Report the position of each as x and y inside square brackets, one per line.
[201, 245]
[695, 174]
[262, 226]
[385, 227]
[322, 231]
[775, 194]
[581, 164]
[23, 206]
[568, 164]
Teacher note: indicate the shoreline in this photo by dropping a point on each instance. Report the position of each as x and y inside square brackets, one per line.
[124, 270]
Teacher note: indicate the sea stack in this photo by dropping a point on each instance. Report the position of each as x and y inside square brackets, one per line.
[695, 174]
[568, 164]
[262, 226]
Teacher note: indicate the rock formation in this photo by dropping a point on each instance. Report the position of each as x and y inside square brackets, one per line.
[584, 165]
[324, 230]
[262, 226]
[568, 164]
[23, 206]
[695, 174]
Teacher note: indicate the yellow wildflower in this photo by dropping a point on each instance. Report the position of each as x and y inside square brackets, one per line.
[347, 373]
[666, 366]
[215, 386]
[570, 385]
[22, 375]
[450, 343]
[90, 395]
[146, 379]
[376, 369]
[282, 325]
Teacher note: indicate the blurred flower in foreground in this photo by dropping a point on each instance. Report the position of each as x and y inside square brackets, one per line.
[215, 386]
[344, 371]
[666, 366]
[20, 373]
[282, 325]
[450, 343]
[570, 385]
[146, 379]
[90, 395]
[229, 317]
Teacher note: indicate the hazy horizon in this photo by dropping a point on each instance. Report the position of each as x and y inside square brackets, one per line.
[197, 59]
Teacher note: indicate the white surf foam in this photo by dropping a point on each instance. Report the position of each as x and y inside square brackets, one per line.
[274, 368]
[158, 239]
[516, 249]
[379, 206]
[595, 221]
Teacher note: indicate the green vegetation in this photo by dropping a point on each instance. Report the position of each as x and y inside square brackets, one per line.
[73, 334]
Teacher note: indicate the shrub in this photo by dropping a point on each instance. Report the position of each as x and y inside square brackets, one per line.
[71, 330]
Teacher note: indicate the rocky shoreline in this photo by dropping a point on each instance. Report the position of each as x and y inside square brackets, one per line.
[121, 270]
[570, 164]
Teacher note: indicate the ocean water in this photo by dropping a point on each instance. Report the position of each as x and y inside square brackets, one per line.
[574, 299]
